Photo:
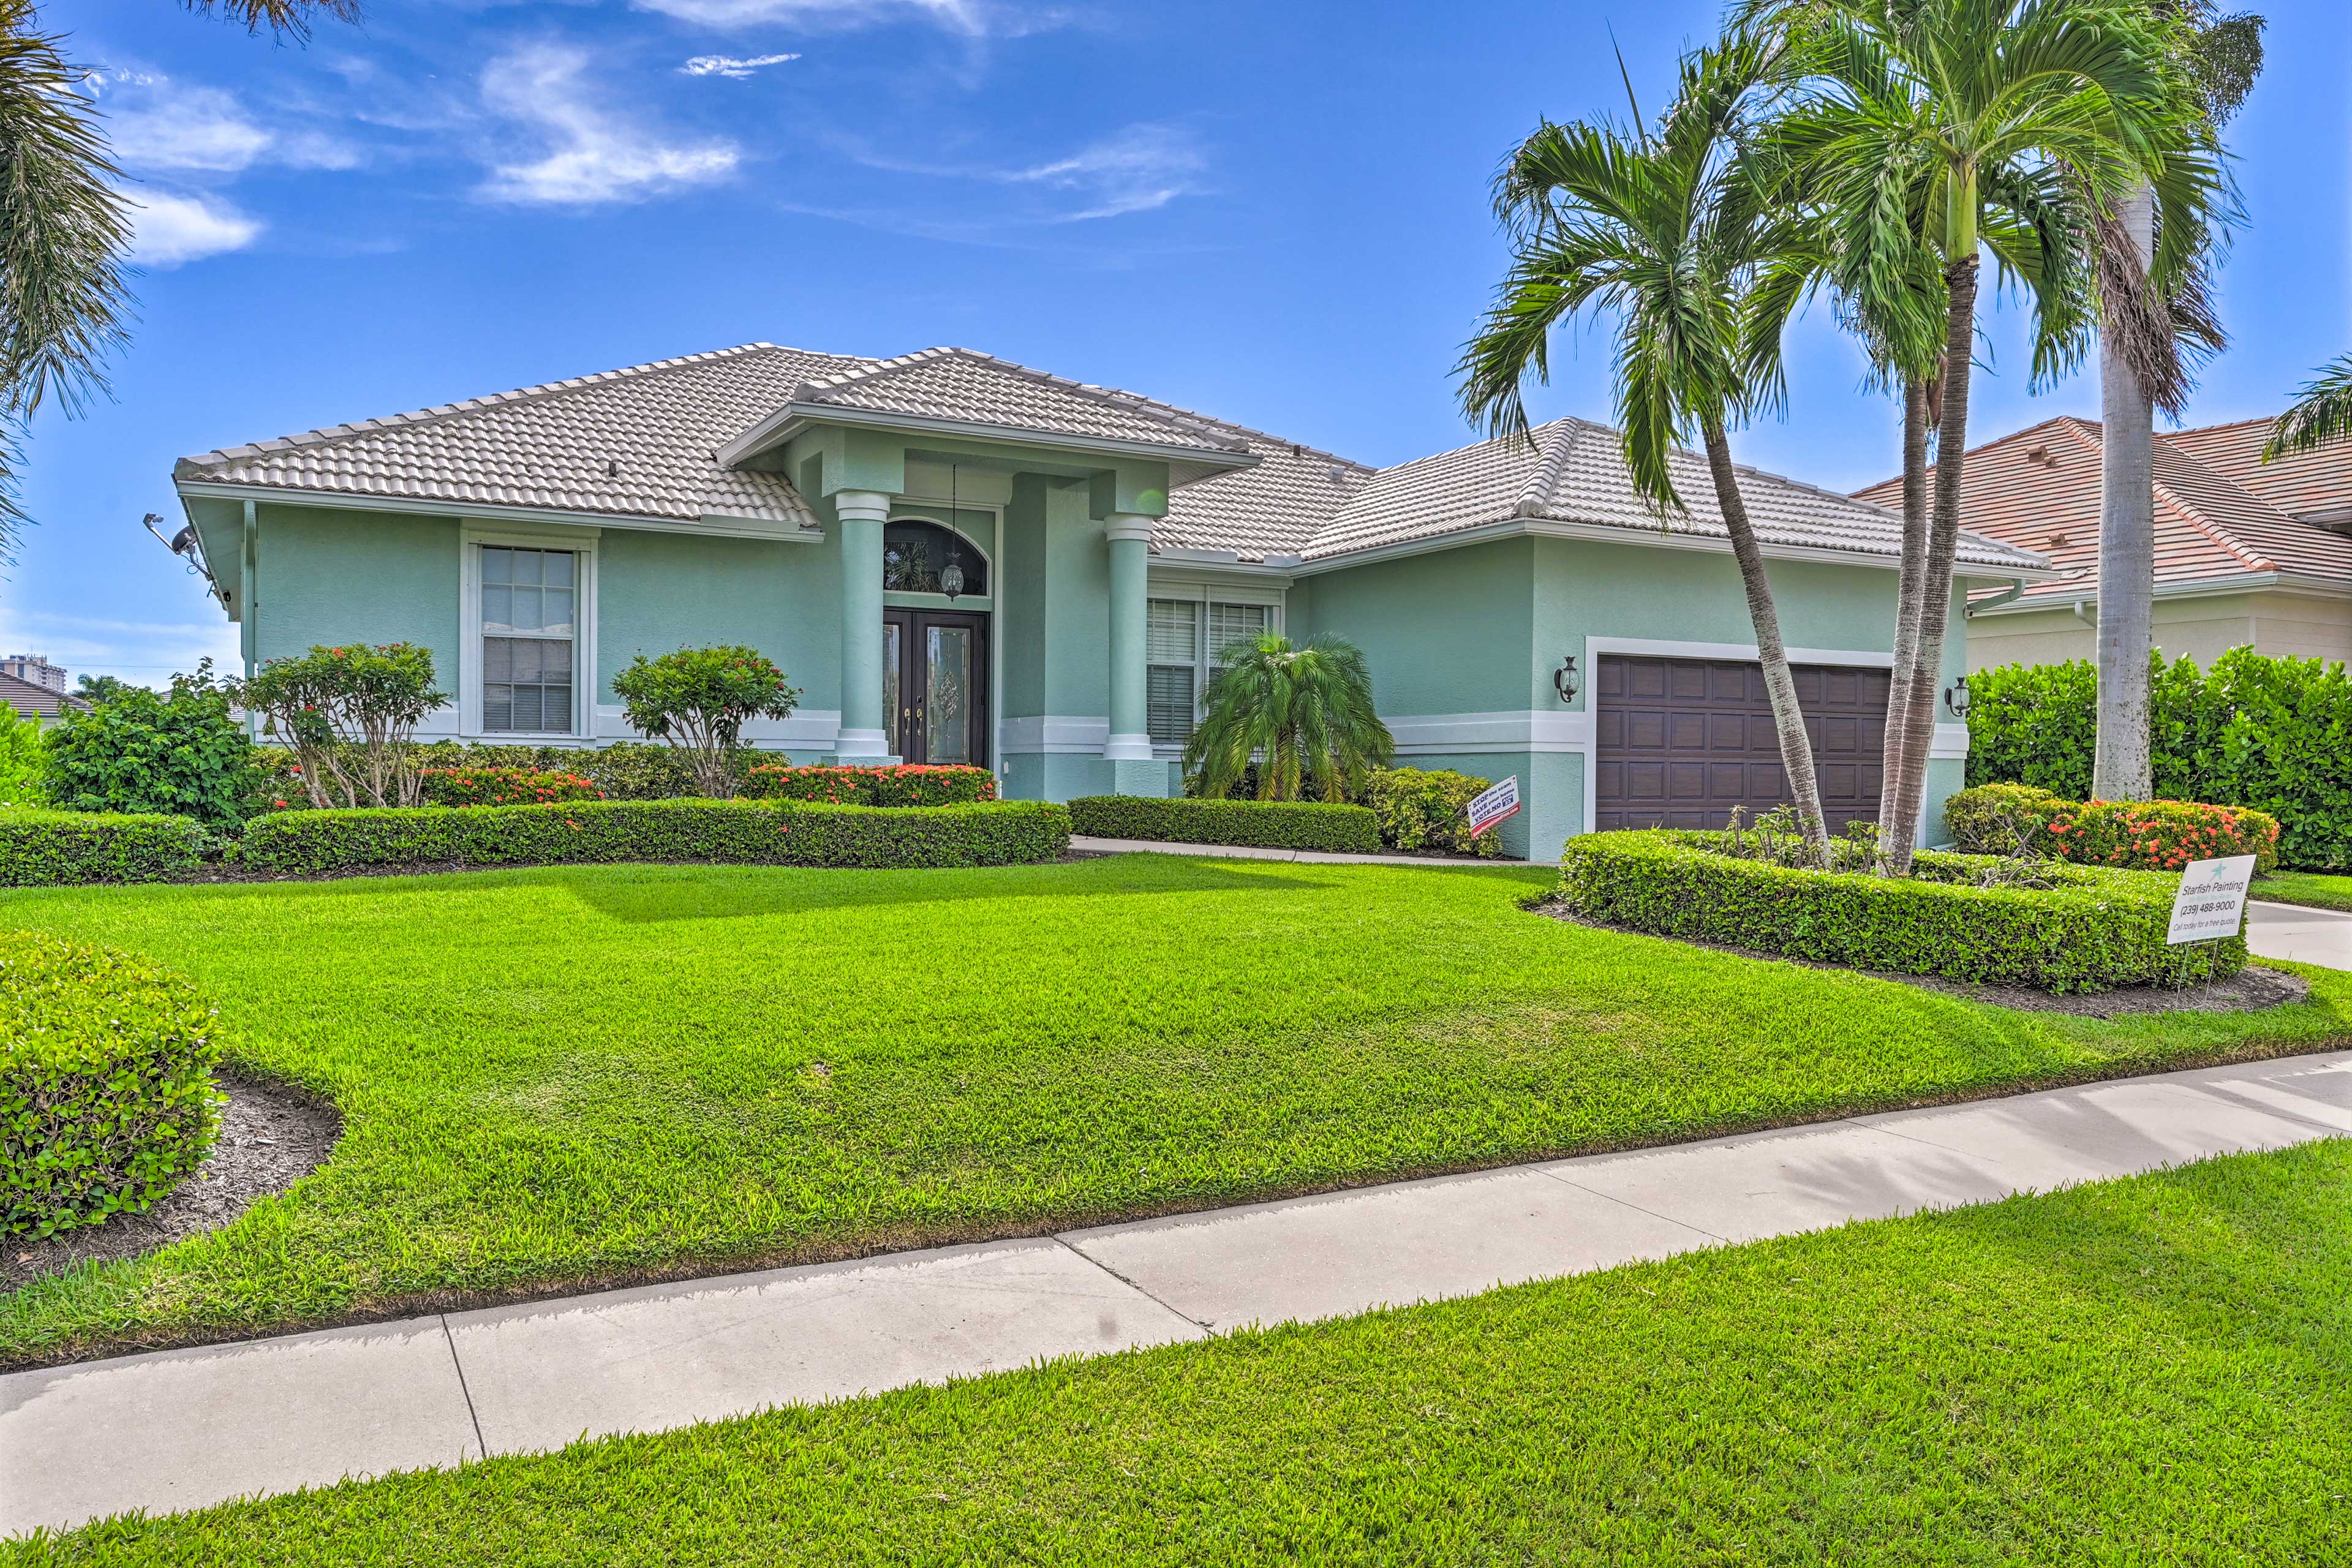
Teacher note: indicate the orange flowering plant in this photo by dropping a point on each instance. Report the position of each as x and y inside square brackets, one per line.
[2160, 835]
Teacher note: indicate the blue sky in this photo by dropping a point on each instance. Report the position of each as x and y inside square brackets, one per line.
[1275, 213]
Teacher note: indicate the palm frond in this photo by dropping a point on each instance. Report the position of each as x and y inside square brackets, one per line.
[286, 18]
[2322, 413]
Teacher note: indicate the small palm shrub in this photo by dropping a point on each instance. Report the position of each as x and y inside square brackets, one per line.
[1305, 712]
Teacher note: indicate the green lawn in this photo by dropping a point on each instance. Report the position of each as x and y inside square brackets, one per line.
[2149, 1371]
[559, 1076]
[2312, 887]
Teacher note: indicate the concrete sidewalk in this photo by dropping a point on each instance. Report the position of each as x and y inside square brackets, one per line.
[181, 1429]
[2299, 935]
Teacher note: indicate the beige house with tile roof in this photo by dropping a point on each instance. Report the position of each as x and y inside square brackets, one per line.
[2248, 553]
[962, 558]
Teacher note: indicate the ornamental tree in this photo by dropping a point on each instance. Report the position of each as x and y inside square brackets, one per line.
[350, 716]
[700, 699]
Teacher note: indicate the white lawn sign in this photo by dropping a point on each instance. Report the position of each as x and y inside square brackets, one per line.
[1492, 805]
[2211, 901]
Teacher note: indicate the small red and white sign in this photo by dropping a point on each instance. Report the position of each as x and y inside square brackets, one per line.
[1491, 806]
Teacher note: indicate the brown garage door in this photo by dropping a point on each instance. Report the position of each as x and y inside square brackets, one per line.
[1680, 742]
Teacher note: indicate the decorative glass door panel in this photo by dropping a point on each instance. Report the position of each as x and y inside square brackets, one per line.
[935, 684]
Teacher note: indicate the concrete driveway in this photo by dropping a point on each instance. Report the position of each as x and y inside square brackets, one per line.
[2298, 935]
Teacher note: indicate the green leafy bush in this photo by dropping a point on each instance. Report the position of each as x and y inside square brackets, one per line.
[41, 847]
[2162, 835]
[909, 784]
[2091, 929]
[1259, 824]
[633, 770]
[20, 759]
[350, 715]
[1992, 819]
[144, 752]
[503, 786]
[700, 699]
[2272, 735]
[1420, 808]
[763, 833]
[106, 1092]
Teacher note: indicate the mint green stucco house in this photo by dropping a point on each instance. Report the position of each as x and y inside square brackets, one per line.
[958, 559]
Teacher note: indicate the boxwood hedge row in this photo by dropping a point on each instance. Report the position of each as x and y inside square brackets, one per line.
[2094, 930]
[38, 848]
[1258, 824]
[740, 832]
[106, 1092]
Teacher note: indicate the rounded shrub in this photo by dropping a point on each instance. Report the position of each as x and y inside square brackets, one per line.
[106, 1087]
[2161, 834]
[1426, 808]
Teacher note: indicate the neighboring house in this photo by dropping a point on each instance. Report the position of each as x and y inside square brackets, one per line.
[35, 701]
[958, 560]
[2247, 552]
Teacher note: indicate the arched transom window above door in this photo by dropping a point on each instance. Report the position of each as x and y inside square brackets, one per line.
[925, 558]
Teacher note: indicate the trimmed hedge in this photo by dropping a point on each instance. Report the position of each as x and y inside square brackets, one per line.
[1424, 808]
[503, 786]
[735, 832]
[106, 1092]
[39, 847]
[2132, 835]
[2270, 734]
[2096, 930]
[1257, 823]
[906, 783]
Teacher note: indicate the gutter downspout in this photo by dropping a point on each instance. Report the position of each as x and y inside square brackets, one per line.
[2082, 614]
[2010, 595]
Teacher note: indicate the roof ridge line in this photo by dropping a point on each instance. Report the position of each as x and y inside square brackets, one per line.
[540, 391]
[2207, 525]
[1550, 467]
[1199, 424]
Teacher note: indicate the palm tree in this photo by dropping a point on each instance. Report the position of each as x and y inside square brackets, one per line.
[1661, 229]
[2324, 414]
[1305, 712]
[1994, 107]
[65, 302]
[2154, 325]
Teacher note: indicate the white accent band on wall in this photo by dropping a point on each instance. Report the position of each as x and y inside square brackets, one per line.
[804, 729]
[1533, 730]
[1063, 734]
[1951, 743]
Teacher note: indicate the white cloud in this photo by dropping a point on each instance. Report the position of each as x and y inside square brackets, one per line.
[169, 229]
[155, 122]
[592, 155]
[730, 66]
[1142, 167]
[146, 652]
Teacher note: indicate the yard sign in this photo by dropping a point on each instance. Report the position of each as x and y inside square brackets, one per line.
[1491, 806]
[2211, 901]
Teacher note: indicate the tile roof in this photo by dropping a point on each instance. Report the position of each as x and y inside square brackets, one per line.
[2221, 512]
[1575, 472]
[960, 383]
[32, 701]
[641, 442]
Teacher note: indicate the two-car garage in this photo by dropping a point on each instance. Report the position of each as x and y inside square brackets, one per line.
[1678, 742]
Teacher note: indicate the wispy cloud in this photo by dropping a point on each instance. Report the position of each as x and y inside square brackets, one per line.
[156, 122]
[593, 154]
[1140, 168]
[147, 652]
[730, 66]
[169, 229]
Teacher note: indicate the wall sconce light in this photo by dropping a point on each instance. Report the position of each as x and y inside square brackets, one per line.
[1956, 697]
[1564, 679]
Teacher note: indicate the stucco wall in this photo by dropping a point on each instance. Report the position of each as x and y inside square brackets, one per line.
[656, 592]
[2272, 621]
[323, 574]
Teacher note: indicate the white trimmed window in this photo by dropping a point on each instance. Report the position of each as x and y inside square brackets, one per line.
[1183, 638]
[530, 640]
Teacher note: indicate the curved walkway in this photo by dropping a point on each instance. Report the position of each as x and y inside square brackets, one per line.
[180, 1429]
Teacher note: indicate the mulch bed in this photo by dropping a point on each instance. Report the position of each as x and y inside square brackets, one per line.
[270, 1138]
[2249, 990]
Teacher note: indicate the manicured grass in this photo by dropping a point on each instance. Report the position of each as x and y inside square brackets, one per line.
[2319, 890]
[2149, 1371]
[556, 1077]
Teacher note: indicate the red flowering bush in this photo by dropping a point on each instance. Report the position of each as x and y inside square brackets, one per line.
[907, 783]
[2160, 835]
[504, 786]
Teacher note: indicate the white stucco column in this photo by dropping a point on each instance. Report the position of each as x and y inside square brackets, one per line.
[865, 728]
[1129, 746]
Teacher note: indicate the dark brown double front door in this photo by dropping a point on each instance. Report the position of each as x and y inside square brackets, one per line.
[1680, 742]
[935, 685]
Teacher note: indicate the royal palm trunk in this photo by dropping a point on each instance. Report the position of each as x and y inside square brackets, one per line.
[2121, 763]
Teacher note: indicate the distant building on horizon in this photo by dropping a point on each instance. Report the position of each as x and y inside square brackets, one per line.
[36, 668]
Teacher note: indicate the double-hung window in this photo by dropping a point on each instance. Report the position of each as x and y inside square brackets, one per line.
[530, 635]
[1183, 640]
